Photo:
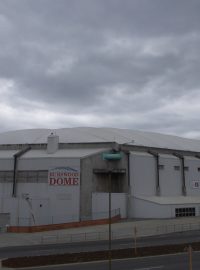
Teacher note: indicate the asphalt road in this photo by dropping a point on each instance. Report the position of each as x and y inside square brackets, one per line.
[166, 262]
[34, 250]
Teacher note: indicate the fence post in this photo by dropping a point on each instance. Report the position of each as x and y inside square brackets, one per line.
[190, 257]
[135, 240]
[189, 250]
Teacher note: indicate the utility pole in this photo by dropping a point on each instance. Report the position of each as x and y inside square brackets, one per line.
[110, 157]
[110, 251]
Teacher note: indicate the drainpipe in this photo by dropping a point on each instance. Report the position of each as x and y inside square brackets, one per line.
[182, 161]
[16, 156]
[156, 156]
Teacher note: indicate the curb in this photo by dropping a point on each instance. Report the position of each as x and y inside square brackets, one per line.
[1, 267]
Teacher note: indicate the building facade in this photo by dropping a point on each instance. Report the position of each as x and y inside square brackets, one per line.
[51, 177]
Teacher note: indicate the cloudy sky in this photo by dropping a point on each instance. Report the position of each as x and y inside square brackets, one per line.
[116, 63]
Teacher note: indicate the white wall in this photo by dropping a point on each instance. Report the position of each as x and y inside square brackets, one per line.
[50, 204]
[46, 163]
[192, 175]
[47, 203]
[146, 209]
[100, 203]
[6, 164]
[142, 174]
[10, 205]
[170, 179]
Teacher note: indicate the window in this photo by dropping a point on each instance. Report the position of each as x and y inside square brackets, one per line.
[198, 169]
[186, 168]
[161, 167]
[177, 168]
[185, 212]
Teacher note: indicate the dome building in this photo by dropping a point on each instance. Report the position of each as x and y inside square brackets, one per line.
[62, 175]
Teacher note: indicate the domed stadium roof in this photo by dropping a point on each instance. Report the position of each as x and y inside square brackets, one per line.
[100, 135]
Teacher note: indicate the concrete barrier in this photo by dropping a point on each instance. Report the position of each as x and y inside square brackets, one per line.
[51, 227]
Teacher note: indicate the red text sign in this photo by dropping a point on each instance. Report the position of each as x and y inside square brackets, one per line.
[63, 177]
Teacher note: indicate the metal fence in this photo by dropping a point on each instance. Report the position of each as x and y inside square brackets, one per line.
[60, 237]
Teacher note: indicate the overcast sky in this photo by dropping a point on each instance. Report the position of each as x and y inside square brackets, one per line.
[118, 63]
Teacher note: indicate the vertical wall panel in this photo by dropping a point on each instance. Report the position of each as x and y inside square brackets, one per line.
[142, 174]
[170, 177]
[192, 176]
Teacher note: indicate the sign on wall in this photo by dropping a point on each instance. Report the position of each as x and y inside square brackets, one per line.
[63, 176]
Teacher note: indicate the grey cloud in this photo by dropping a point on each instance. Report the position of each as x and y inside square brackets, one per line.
[100, 62]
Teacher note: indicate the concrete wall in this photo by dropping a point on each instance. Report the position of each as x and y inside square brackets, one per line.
[89, 180]
[100, 203]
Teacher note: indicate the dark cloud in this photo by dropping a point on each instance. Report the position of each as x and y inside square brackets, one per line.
[131, 64]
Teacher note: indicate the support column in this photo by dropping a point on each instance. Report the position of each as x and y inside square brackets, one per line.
[182, 162]
[156, 156]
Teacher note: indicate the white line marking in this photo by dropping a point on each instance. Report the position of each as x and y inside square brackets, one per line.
[151, 267]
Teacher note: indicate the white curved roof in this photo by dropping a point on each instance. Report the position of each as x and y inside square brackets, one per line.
[95, 135]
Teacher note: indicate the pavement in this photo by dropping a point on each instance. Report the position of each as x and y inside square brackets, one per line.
[22, 239]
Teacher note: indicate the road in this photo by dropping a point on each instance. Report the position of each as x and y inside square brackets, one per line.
[34, 250]
[166, 262]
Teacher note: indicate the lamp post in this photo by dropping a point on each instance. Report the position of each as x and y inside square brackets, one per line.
[109, 222]
[110, 157]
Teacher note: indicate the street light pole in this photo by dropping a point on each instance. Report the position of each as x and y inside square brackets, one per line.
[110, 156]
[109, 210]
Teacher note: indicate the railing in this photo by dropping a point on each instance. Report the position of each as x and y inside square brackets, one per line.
[170, 228]
[60, 237]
